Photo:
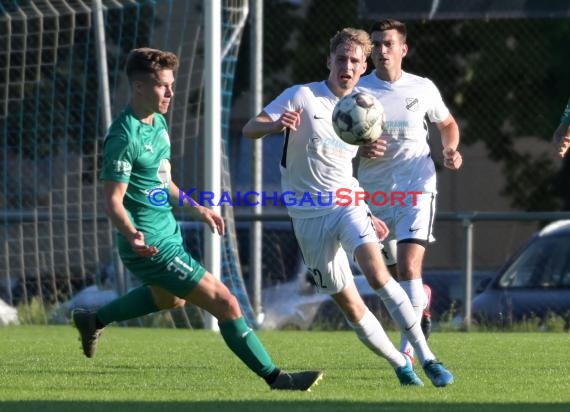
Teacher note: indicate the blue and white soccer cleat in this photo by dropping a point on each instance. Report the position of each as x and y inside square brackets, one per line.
[437, 374]
[407, 376]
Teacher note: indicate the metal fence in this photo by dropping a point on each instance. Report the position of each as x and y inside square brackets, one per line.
[454, 287]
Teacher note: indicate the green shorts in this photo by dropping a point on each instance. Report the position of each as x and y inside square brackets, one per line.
[172, 269]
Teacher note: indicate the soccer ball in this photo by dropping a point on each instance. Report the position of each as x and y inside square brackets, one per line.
[358, 118]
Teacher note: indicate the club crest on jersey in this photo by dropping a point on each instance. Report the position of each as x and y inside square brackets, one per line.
[412, 104]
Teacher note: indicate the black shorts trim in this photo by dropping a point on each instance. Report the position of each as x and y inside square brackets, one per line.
[420, 242]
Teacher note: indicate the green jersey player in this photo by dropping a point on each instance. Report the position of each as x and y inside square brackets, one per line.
[137, 186]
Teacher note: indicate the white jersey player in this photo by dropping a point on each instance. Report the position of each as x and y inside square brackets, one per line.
[406, 165]
[315, 168]
[400, 161]
[315, 165]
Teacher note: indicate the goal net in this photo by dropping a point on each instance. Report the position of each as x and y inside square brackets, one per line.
[54, 238]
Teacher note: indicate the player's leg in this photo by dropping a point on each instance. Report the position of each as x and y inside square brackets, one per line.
[413, 227]
[328, 263]
[371, 333]
[410, 260]
[400, 308]
[138, 302]
[394, 298]
[390, 254]
[213, 296]
[165, 299]
[426, 314]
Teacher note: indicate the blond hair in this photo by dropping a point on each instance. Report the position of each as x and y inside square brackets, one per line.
[351, 35]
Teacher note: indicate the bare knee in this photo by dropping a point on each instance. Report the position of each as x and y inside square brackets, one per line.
[214, 297]
[409, 273]
[224, 306]
[229, 308]
[410, 261]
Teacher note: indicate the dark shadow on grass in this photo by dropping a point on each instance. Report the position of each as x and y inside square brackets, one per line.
[276, 406]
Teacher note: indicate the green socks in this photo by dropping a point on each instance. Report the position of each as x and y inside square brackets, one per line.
[138, 302]
[243, 341]
[239, 337]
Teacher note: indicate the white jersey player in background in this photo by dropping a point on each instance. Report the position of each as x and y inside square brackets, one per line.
[400, 161]
[316, 163]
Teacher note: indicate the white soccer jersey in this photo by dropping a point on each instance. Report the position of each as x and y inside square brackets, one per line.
[407, 164]
[315, 161]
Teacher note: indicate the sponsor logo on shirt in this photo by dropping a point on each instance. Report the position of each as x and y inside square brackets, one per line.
[122, 167]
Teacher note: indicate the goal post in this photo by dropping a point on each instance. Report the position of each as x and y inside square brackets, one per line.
[54, 238]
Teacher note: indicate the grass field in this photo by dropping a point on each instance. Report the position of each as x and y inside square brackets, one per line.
[136, 369]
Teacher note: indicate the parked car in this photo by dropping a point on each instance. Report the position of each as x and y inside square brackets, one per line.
[534, 282]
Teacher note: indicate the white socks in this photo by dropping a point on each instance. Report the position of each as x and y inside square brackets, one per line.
[415, 291]
[401, 310]
[370, 332]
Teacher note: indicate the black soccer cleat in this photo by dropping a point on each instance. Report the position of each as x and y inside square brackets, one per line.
[86, 324]
[296, 381]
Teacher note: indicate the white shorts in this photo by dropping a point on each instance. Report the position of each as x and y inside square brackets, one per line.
[328, 241]
[407, 223]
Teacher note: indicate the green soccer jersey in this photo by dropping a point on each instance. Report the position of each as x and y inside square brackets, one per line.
[138, 154]
[566, 115]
